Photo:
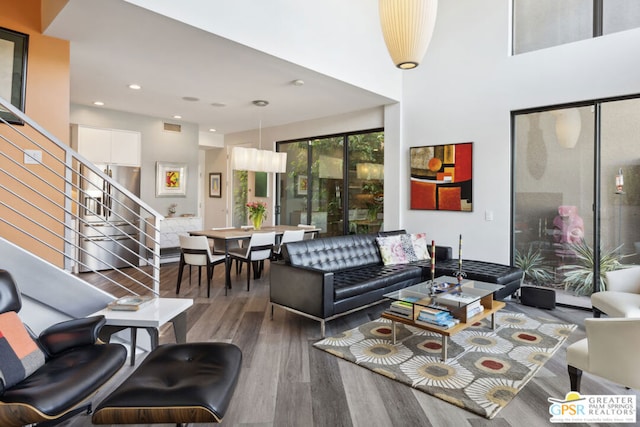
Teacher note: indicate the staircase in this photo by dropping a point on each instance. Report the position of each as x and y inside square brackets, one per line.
[40, 227]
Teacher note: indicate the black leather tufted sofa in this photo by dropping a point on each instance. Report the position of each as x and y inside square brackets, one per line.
[76, 365]
[333, 276]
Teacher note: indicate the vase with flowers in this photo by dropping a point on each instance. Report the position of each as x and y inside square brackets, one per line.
[257, 213]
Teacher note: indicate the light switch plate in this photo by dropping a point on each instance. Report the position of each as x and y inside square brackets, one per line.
[32, 157]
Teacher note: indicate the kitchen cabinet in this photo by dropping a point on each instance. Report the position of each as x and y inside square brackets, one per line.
[111, 146]
[170, 231]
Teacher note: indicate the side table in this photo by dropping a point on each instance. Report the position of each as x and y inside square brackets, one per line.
[151, 316]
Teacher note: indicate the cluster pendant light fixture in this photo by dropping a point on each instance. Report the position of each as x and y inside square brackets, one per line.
[407, 27]
[258, 160]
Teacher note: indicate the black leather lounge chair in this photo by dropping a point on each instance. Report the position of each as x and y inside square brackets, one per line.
[62, 367]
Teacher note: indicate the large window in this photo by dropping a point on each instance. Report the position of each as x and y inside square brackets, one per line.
[576, 195]
[317, 189]
[539, 24]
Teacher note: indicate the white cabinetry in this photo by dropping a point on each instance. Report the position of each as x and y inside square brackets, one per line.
[113, 146]
[170, 229]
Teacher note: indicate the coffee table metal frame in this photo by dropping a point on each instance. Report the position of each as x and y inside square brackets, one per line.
[483, 291]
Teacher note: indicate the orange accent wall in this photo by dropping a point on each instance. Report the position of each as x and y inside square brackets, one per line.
[47, 102]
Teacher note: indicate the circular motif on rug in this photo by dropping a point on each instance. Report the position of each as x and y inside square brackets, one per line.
[516, 320]
[492, 365]
[556, 330]
[531, 357]
[344, 339]
[485, 342]
[527, 337]
[381, 331]
[480, 324]
[431, 345]
[381, 352]
[432, 372]
[493, 393]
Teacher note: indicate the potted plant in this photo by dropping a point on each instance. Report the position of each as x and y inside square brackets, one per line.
[579, 276]
[257, 213]
[535, 271]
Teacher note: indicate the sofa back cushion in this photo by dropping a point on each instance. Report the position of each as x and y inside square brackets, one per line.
[333, 253]
[20, 355]
[396, 249]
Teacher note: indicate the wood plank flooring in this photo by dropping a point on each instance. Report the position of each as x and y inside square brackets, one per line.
[286, 382]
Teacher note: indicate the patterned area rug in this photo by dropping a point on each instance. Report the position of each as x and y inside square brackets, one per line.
[485, 370]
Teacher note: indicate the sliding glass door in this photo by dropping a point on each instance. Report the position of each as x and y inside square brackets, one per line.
[620, 181]
[576, 176]
[318, 190]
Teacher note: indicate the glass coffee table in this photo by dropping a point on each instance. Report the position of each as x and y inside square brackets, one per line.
[451, 309]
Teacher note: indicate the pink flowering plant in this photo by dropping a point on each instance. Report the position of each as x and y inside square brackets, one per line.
[257, 210]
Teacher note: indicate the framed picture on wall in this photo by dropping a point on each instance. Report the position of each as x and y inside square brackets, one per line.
[215, 184]
[171, 179]
[301, 185]
[13, 66]
[442, 177]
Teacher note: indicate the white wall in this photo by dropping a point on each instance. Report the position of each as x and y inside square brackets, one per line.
[339, 38]
[215, 211]
[157, 145]
[465, 90]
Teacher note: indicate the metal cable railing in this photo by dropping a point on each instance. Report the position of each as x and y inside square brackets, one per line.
[46, 209]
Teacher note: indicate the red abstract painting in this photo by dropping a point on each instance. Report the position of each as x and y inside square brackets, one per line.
[442, 177]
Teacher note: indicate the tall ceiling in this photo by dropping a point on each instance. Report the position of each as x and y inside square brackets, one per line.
[206, 79]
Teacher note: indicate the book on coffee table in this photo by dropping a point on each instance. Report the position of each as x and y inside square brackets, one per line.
[130, 303]
[456, 299]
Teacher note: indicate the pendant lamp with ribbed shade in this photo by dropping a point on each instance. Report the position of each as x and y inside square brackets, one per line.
[407, 27]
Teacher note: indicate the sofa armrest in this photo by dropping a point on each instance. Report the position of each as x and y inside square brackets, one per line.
[72, 333]
[624, 280]
[443, 253]
[304, 289]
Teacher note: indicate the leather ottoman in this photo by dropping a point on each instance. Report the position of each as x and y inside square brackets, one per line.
[176, 383]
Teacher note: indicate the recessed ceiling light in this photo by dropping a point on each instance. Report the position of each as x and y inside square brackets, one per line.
[177, 116]
[190, 98]
[212, 130]
[135, 86]
[298, 82]
[260, 103]
[98, 103]
[218, 104]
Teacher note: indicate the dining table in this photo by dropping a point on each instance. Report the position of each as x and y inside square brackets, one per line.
[224, 236]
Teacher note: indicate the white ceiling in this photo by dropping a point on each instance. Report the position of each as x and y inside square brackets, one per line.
[114, 44]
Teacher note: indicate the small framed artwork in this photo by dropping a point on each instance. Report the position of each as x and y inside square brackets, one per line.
[13, 71]
[215, 184]
[442, 177]
[171, 179]
[301, 185]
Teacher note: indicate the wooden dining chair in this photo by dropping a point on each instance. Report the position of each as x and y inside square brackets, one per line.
[259, 248]
[195, 250]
